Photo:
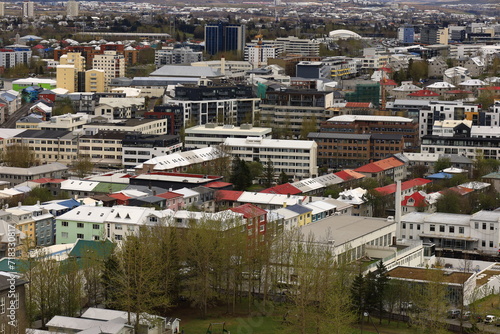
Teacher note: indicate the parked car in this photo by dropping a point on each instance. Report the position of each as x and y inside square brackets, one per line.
[490, 319]
[453, 314]
[466, 315]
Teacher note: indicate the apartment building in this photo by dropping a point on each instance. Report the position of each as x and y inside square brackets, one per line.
[211, 134]
[441, 111]
[51, 145]
[287, 109]
[119, 108]
[144, 126]
[257, 53]
[95, 81]
[297, 158]
[112, 63]
[359, 124]
[346, 150]
[169, 56]
[139, 148]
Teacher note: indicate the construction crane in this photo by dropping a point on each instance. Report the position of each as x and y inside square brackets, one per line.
[260, 52]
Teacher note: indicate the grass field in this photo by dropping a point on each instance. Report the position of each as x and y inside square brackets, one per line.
[266, 321]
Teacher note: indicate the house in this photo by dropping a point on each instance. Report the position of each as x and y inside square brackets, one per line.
[356, 198]
[305, 213]
[420, 201]
[17, 175]
[6, 227]
[256, 220]
[390, 167]
[12, 302]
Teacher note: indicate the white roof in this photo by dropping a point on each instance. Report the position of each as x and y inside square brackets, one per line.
[308, 185]
[113, 178]
[271, 143]
[81, 324]
[476, 185]
[353, 196]
[369, 118]
[88, 213]
[473, 82]
[450, 123]
[320, 206]
[78, 185]
[128, 214]
[181, 159]
[121, 102]
[270, 199]
[132, 193]
[287, 214]
[187, 192]
[454, 170]
[441, 85]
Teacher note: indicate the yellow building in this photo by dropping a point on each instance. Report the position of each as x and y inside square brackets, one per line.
[25, 223]
[305, 214]
[95, 81]
[112, 63]
[67, 71]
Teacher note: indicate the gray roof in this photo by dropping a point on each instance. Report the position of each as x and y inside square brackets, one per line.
[162, 81]
[185, 71]
[457, 159]
[36, 170]
[53, 134]
[343, 229]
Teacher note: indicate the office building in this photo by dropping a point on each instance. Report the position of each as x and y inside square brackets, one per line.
[223, 37]
[406, 35]
[184, 55]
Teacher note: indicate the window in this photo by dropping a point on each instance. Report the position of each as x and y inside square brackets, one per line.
[491, 243]
[432, 228]
[2, 305]
[79, 236]
[418, 227]
[441, 228]
[96, 238]
[118, 237]
[64, 223]
[411, 226]
[262, 228]
[451, 229]
[79, 225]
[461, 230]
[404, 225]
[483, 243]
[484, 226]
[492, 226]
[118, 226]
[64, 235]
[476, 226]
[95, 226]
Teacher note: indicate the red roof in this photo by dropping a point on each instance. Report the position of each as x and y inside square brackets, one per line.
[490, 88]
[120, 196]
[358, 105]
[228, 195]
[349, 174]
[461, 190]
[48, 180]
[418, 199]
[283, 189]
[218, 184]
[378, 166]
[249, 210]
[391, 188]
[388, 82]
[423, 92]
[169, 195]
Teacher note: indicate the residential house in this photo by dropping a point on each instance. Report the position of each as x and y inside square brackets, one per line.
[13, 312]
[357, 198]
[305, 213]
[391, 168]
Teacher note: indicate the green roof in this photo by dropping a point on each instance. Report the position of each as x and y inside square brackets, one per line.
[102, 248]
[14, 266]
[107, 187]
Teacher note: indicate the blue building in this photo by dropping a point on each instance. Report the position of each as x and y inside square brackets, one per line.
[406, 35]
[222, 37]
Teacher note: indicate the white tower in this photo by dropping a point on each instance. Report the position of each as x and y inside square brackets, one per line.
[72, 8]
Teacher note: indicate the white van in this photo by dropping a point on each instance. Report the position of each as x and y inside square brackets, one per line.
[489, 319]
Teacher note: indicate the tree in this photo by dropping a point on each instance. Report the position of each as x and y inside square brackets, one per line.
[240, 177]
[418, 70]
[358, 295]
[418, 171]
[256, 169]
[63, 106]
[308, 125]
[19, 155]
[38, 194]
[442, 163]
[83, 166]
[269, 174]
[483, 167]
[283, 178]
[449, 202]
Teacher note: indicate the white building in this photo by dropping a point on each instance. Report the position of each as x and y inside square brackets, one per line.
[72, 8]
[169, 56]
[295, 158]
[28, 9]
[442, 111]
[477, 233]
[258, 54]
[211, 134]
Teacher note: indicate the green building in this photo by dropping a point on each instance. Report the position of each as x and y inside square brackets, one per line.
[365, 93]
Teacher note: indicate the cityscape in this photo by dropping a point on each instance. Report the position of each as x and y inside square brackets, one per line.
[249, 167]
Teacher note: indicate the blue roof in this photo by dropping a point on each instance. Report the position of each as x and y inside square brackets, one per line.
[298, 208]
[69, 203]
[440, 176]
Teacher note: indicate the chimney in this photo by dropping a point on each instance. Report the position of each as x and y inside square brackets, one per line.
[223, 65]
[284, 204]
[19, 204]
[397, 206]
[38, 203]
[170, 189]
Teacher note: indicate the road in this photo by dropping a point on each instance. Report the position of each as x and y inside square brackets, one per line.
[19, 113]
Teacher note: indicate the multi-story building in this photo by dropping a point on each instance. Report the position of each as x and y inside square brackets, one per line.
[112, 63]
[406, 34]
[51, 145]
[104, 149]
[294, 45]
[368, 124]
[441, 111]
[72, 8]
[169, 56]
[211, 134]
[144, 126]
[69, 72]
[472, 234]
[28, 9]
[95, 81]
[224, 37]
[316, 70]
[139, 148]
[2, 8]
[296, 158]
[216, 104]
[119, 108]
[347, 150]
[257, 53]
[287, 109]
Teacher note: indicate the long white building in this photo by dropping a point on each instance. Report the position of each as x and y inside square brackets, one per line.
[296, 158]
[211, 134]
